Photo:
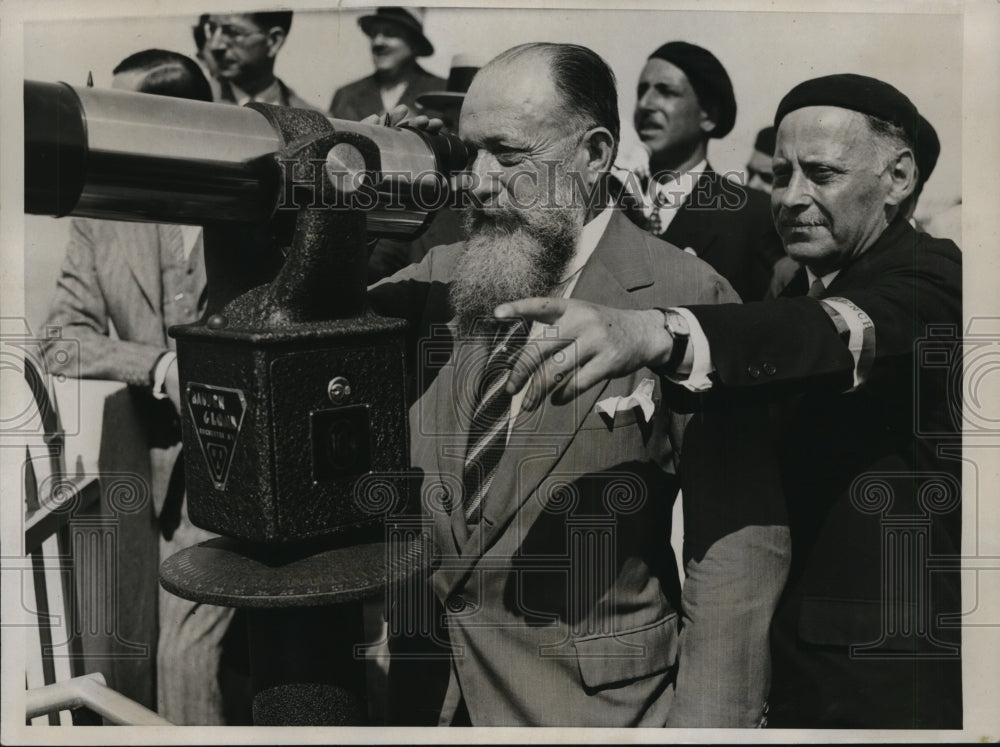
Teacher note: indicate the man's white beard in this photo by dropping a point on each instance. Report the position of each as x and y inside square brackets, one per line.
[510, 255]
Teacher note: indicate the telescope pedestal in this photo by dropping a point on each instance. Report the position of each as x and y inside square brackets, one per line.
[304, 613]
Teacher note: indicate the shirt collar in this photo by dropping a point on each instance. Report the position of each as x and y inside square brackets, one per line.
[270, 95]
[827, 279]
[673, 193]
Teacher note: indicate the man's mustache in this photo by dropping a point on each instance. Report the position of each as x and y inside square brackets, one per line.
[648, 120]
[503, 219]
[799, 221]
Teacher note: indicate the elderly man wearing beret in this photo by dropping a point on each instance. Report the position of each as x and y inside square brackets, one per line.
[684, 99]
[861, 360]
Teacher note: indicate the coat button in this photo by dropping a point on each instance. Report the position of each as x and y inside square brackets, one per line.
[754, 371]
[769, 369]
[455, 603]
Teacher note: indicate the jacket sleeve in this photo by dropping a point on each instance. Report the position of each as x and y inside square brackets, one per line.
[85, 349]
[793, 342]
[736, 558]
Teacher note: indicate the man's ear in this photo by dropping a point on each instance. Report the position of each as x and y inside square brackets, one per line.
[600, 147]
[708, 119]
[903, 175]
[275, 40]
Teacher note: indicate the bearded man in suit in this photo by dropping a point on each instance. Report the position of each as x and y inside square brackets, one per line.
[555, 595]
[685, 99]
[121, 287]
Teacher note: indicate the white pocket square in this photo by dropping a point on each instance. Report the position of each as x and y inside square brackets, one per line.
[642, 397]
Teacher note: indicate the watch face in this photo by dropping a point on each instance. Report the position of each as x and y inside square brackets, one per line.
[676, 324]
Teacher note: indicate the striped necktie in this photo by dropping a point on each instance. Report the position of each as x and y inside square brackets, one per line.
[488, 429]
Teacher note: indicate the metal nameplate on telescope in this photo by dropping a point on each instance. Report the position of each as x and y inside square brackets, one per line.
[217, 413]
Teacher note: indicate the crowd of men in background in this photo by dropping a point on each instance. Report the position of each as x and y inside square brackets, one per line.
[844, 404]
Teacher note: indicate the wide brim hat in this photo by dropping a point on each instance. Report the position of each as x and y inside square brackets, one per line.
[463, 69]
[411, 19]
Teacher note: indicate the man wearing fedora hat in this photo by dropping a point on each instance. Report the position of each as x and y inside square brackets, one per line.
[684, 99]
[397, 40]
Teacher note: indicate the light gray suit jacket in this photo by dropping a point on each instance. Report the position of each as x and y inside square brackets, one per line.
[111, 278]
[563, 606]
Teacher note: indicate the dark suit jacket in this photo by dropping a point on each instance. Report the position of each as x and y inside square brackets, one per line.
[361, 98]
[729, 226]
[860, 468]
[564, 605]
[288, 96]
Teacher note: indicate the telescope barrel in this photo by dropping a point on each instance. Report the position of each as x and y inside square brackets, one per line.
[133, 156]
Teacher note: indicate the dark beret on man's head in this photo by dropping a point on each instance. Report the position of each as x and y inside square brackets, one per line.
[855, 92]
[765, 140]
[875, 98]
[927, 148]
[709, 80]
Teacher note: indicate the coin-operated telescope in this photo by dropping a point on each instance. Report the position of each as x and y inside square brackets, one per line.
[292, 389]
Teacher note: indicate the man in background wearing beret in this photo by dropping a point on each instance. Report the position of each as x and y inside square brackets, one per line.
[861, 359]
[684, 99]
[397, 40]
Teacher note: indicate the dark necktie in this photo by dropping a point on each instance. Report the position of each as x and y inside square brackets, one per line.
[490, 419]
[816, 289]
[655, 220]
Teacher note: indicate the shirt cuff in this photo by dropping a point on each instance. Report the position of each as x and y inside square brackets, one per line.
[160, 374]
[701, 357]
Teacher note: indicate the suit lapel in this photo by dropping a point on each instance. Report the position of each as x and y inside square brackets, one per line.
[688, 230]
[797, 286]
[619, 264]
[371, 99]
[145, 265]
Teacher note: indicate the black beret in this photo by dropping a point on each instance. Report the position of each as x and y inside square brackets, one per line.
[870, 96]
[708, 78]
[765, 141]
[927, 148]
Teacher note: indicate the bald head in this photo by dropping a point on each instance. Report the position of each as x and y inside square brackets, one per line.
[580, 87]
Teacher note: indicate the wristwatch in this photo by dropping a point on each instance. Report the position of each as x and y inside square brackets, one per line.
[677, 327]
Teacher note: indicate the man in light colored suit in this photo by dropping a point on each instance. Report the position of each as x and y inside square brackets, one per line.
[555, 598]
[121, 286]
